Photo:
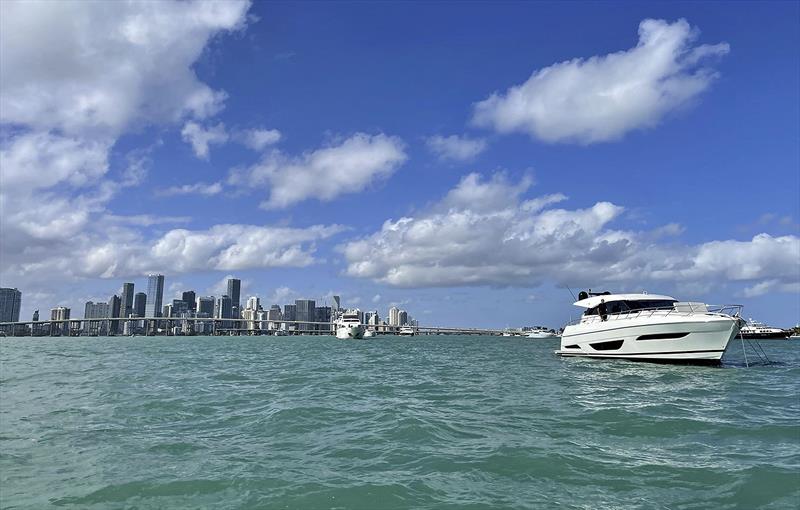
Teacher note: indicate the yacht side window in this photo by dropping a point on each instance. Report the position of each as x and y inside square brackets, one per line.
[590, 311]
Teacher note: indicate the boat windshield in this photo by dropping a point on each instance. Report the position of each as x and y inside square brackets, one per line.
[613, 307]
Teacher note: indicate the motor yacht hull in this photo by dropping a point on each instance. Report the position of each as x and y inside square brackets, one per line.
[696, 338]
[348, 332]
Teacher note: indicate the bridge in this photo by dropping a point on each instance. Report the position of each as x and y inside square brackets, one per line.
[188, 326]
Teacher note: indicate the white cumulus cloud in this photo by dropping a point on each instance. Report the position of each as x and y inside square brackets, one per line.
[602, 98]
[457, 148]
[485, 232]
[325, 173]
[198, 188]
[200, 138]
[259, 139]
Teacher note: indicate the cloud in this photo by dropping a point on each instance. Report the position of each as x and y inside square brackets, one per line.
[456, 148]
[259, 139]
[376, 298]
[116, 251]
[602, 98]
[111, 66]
[200, 138]
[325, 173]
[472, 238]
[199, 188]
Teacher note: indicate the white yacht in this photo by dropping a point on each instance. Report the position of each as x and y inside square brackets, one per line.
[649, 327]
[540, 332]
[369, 333]
[755, 330]
[349, 325]
[406, 331]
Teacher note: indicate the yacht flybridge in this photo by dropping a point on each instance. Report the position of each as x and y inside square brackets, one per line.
[649, 327]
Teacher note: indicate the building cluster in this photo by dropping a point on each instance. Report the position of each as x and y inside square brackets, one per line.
[146, 313]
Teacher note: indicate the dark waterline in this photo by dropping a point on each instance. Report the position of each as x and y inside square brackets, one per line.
[423, 422]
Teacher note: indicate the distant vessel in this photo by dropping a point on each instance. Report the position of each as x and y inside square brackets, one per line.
[755, 330]
[540, 332]
[649, 327]
[368, 333]
[279, 332]
[406, 331]
[349, 326]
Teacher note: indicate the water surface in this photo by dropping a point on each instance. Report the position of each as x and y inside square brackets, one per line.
[423, 422]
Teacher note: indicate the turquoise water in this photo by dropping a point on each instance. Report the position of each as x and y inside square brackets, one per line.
[423, 422]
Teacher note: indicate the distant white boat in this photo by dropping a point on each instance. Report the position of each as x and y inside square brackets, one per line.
[349, 326]
[540, 332]
[755, 330]
[406, 331]
[368, 333]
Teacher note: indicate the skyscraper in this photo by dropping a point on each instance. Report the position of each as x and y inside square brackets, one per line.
[402, 319]
[205, 305]
[394, 316]
[337, 303]
[126, 300]
[114, 307]
[94, 310]
[190, 298]
[290, 312]
[253, 303]
[10, 302]
[306, 312]
[155, 295]
[139, 304]
[234, 288]
[223, 309]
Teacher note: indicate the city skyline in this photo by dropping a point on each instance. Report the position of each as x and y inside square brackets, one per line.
[473, 163]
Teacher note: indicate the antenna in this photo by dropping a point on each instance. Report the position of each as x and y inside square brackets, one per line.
[570, 291]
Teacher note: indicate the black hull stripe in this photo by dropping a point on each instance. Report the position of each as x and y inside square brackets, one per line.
[604, 354]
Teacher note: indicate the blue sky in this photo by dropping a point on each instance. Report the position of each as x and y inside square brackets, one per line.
[355, 148]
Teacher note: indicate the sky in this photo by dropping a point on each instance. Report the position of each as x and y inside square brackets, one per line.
[473, 163]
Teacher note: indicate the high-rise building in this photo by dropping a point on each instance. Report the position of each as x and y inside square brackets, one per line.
[190, 298]
[35, 315]
[155, 295]
[205, 305]
[234, 288]
[223, 309]
[306, 310]
[275, 313]
[402, 318]
[97, 310]
[60, 313]
[139, 304]
[253, 303]
[126, 300]
[322, 314]
[394, 316]
[179, 307]
[290, 312]
[114, 307]
[337, 303]
[10, 303]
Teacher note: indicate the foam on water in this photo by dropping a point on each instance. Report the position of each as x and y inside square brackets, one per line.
[423, 422]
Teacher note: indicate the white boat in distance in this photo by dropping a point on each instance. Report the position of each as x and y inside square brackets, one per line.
[540, 332]
[349, 325]
[755, 330]
[650, 327]
[406, 331]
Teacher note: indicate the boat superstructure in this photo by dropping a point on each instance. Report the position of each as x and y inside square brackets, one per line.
[650, 327]
[406, 331]
[348, 325]
[755, 330]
